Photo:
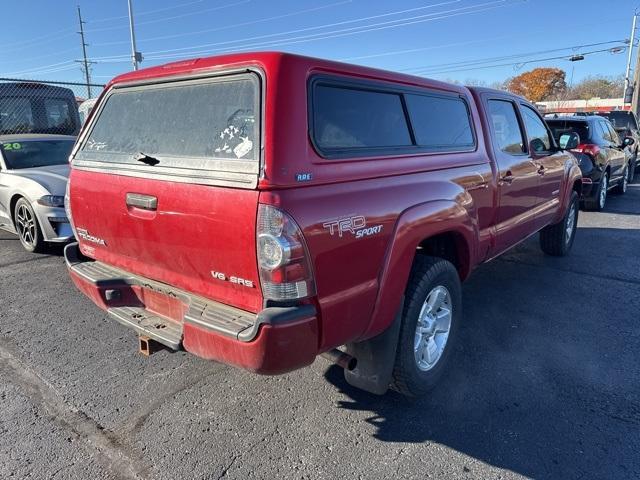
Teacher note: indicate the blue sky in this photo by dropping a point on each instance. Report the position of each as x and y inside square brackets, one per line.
[443, 39]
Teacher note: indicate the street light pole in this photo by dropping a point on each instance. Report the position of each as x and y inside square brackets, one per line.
[134, 53]
[627, 80]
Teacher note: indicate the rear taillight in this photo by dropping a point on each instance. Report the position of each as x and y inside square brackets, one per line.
[283, 258]
[588, 149]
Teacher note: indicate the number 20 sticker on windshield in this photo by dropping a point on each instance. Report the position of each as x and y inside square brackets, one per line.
[11, 146]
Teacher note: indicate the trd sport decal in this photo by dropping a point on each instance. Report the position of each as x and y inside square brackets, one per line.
[355, 224]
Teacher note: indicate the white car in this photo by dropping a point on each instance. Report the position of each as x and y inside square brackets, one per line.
[85, 109]
[33, 176]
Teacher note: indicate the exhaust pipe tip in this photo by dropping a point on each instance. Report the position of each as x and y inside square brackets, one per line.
[341, 358]
[351, 364]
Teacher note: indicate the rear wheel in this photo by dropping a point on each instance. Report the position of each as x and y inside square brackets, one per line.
[598, 202]
[621, 188]
[26, 224]
[557, 239]
[431, 314]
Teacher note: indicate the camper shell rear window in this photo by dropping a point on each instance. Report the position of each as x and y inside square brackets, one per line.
[186, 129]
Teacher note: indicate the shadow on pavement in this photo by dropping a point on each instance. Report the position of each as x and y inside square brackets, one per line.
[545, 381]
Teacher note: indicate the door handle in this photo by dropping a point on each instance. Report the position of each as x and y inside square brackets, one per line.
[507, 178]
[139, 200]
[541, 170]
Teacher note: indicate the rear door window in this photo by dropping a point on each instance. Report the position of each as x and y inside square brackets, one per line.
[440, 123]
[606, 134]
[536, 130]
[349, 118]
[615, 138]
[506, 127]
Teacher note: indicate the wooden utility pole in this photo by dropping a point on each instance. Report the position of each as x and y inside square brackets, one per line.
[85, 62]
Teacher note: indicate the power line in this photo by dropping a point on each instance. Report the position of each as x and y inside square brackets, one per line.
[465, 63]
[68, 32]
[182, 15]
[227, 27]
[148, 12]
[36, 39]
[299, 30]
[355, 30]
[324, 35]
[37, 69]
[419, 49]
[30, 44]
[328, 25]
[62, 68]
[537, 60]
[47, 55]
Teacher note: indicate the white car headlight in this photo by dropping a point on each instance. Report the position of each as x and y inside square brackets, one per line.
[51, 201]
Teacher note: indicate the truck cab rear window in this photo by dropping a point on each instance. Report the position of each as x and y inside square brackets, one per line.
[185, 121]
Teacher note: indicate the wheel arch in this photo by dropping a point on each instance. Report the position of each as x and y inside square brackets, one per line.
[440, 228]
[12, 205]
[450, 245]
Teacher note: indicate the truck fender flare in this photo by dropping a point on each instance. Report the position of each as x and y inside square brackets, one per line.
[412, 227]
[572, 175]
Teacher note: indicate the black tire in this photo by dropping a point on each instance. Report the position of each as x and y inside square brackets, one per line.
[621, 188]
[27, 226]
[557, 240]
[427, 274]
[596, 204]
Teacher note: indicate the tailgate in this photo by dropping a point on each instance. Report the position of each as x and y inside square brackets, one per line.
[163, 184]
[195, 234]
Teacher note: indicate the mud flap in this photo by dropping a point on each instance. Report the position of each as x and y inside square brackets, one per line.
[376, 358]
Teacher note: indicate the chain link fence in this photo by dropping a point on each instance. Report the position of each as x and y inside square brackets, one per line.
[36, 106]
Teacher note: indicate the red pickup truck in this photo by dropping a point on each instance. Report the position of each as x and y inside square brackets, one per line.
[262, 209]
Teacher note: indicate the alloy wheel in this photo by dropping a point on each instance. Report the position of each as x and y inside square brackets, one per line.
[26, 225]
[602, 198]
[571, 223]
[433, 327]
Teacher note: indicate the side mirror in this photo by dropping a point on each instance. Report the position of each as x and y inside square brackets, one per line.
[569, 141]
[537, 147]
[628, 141]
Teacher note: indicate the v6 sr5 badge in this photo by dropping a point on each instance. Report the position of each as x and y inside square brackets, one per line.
[355, 225]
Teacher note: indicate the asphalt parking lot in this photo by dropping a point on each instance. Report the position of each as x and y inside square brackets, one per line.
[546, 384]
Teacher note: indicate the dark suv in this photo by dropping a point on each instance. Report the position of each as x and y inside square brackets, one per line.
[606, 161]
[626, 124]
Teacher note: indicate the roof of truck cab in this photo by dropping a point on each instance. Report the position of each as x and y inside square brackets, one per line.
[494, 91]
[274, 60]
